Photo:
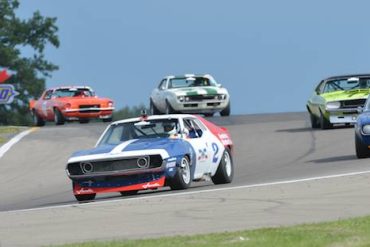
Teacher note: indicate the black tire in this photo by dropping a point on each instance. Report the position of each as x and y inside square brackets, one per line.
[209, 114]
[226, 112]
[225, 170]
[182, 179]
[324, 123]
[37, 120]
[107, 120]
[315, 123]
[129, 193]
[362, 151]
[58, 117]
[87, 197]
[84, 120]
[169, 109]
[153, 109]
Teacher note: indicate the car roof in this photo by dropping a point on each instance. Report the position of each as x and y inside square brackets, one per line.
[189, 75]
[68, 87]
[153, 117]
[346, 76]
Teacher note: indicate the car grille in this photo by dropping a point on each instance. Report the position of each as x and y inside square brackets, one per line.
[201, 97]
[84, 107]
[354, 103]
[128, 164]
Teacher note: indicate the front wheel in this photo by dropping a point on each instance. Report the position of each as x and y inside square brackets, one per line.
[362, 151]
[314, 121]
[225, 170]
[169, 109]
[182, 178]
[324, 123]
[87, 197]
[58, 117]
[226, 112]
[153, 109]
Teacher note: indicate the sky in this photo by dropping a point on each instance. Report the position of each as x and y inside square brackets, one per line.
[269, 54]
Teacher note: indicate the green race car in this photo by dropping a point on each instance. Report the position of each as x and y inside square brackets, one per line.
[337, 100]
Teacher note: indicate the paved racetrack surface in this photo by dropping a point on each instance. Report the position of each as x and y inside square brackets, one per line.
[273, 153]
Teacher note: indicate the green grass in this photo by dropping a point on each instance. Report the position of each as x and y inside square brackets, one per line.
[6, 132]
[343, 233]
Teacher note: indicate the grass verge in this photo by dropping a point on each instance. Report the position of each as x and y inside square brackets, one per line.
[351, 232]
[7, 132]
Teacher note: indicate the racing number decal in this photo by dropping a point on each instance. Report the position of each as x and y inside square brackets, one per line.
[215, 149]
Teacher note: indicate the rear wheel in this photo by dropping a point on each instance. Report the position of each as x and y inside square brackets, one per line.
[37, 120]
[58, 117]
[129, 193]
[225, 170]
[362, 151]
[226, 112]
[324, 123]
[182, 178]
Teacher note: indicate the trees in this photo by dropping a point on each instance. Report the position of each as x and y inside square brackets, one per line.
[33, 34]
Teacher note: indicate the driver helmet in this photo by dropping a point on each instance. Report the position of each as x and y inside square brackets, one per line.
[169, 128]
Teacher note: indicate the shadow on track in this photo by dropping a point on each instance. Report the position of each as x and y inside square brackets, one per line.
[334, 159]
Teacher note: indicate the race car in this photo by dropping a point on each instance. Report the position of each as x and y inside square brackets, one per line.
[336, 99]
[190, 93]
[150, 152]
[70, 103]
[362, 132]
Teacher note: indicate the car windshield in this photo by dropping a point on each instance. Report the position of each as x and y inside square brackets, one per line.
[346, 84]
[190, 82]
[159, 128]
[73, 92]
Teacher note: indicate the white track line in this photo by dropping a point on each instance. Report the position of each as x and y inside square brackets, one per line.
[87, 204]
[5, 147]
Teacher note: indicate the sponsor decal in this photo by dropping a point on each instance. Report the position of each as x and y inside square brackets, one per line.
[150, 185]
[84, 191]
[7, 93]
[202, 154]
[171, 164]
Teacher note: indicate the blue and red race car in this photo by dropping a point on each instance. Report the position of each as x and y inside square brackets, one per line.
[362, 131]
[151, 152]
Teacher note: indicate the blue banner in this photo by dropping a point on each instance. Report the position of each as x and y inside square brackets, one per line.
[7, 93]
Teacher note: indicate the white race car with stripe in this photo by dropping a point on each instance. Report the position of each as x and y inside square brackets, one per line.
[190, 93]
[151, 152]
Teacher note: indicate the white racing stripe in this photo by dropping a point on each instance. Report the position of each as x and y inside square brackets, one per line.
[5, 147]
[193, 192]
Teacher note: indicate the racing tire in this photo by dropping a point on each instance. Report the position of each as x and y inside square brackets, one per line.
[129, 193]
[37, 120]
[84, 120]
[153, 109]
[225, 170]
[362, 151]
[86, 197]
[169, 109]
[226, 112]
[58, 117]
[209, 114]
[315, 124]
[324, 123]
[182, 178]
[107, 120]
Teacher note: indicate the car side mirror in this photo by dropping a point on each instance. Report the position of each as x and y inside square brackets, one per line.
[360, 109]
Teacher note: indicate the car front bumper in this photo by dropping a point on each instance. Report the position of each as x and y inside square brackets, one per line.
[205, 106]
[343, 116]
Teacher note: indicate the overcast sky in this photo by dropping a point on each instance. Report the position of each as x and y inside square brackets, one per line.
[269, 54]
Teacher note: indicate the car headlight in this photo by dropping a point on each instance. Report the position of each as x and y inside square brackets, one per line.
[333, 105]
[183, 98]
[220, 97]
[366, 129]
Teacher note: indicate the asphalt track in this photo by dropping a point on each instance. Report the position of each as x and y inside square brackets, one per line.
[285, 173]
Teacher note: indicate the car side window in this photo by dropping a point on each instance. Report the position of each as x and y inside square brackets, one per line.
[319, 89]
[194, 130]
[162, 85]
[48, 95]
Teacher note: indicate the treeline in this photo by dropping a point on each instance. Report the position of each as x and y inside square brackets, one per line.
[129, 112]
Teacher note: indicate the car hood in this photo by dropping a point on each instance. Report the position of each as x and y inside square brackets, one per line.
[172, 147]
[189, 91]
[346, 95]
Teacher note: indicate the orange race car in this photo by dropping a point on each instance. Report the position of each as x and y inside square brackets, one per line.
[72, 103]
